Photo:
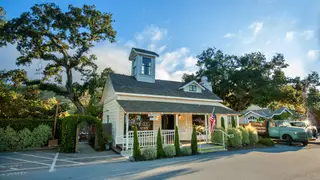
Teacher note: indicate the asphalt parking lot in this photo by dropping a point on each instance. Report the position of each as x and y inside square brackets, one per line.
[15, 163]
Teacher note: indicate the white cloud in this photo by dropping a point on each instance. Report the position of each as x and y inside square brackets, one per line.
[162, 48]
[290, 36]
[153, 33]
[314, 55]
[229, 35]
[302, 57]
[308, 34]
[256, 27]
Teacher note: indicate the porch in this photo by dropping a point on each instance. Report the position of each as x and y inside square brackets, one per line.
[150, 116]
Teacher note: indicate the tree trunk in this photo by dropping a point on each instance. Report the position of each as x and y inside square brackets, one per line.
[71, 93]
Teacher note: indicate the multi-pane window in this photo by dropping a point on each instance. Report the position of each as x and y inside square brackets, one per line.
[146, 66]
[193, 88]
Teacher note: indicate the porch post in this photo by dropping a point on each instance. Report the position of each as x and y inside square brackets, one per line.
[237, 120]
[206, 126]
[177, 118]
[127, 131]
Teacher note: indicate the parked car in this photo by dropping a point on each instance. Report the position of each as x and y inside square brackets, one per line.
[305, 124]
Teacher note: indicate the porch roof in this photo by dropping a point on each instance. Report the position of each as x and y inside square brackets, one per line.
[166, 107]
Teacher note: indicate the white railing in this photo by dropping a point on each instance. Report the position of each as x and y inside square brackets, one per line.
[146, 138]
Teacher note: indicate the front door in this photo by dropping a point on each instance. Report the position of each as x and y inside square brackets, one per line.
[167, 121]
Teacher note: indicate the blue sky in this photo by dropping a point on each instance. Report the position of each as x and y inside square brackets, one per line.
[180, 30]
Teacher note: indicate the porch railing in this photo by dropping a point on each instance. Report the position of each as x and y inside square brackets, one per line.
[146, 138]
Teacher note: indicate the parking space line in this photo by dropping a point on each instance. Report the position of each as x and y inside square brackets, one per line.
[35, 162]
[53, 163]
[48, 158]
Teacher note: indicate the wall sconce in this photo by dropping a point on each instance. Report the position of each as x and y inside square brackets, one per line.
[179, 116]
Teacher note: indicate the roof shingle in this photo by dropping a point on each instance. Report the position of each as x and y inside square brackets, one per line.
[166, 107]
[128, 84]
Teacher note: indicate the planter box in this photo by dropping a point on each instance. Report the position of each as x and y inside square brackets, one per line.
[53, 142]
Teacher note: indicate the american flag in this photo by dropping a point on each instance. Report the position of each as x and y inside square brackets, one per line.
[212, 120]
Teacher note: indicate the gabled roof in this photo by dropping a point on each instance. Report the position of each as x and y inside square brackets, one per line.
[167, 107]
[128, 84]
[267, 113]
[141, 51]
[193, 81]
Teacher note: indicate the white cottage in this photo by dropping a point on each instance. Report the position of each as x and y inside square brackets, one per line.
[142, 100]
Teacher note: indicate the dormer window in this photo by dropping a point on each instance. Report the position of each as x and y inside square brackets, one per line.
[146, 66]
[192, 88]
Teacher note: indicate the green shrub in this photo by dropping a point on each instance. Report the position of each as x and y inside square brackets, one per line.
[177, 141]
[25, 138]
[136, 146]
[3, 145]
[222, 123]
[69, 126]
[30, 123]
[236, 140]
[245, 136]
[216, 136]
[185, 151]
[149, 153]
[169, 151]
[253, 135]
[266, 142]
[233, 121]
[160, 152]
[40, 135]
[194, 141]
[10, 139]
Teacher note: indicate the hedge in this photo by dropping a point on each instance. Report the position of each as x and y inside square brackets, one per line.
[170, 151]
[216, 136]
[245, 136]
[266, 142]
[236, 140]
[12, 140]
[68, 132]
[253, 135]
[19, 124]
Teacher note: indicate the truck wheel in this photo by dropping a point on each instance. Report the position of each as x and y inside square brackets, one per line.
[305, 143]
[289, 140]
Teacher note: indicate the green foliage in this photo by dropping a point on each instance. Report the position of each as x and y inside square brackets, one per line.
[245, 136]
[136, 146]
[20, 124]
[68, 132]
[233, 121]
[10, 139]
[236, 140]
[64, 39]
[149, 153]
[25, 102]
[243, 80]
[3, 144]
[253, 135]
[186, 151]
[25, 139]
[160, 152]
[266, 142]
[40, 135]
[222, 123]
[194, 141]
[169, 151]
[217, 135]
[177, 141]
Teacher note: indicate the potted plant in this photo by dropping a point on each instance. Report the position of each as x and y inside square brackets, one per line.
[108, 141]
